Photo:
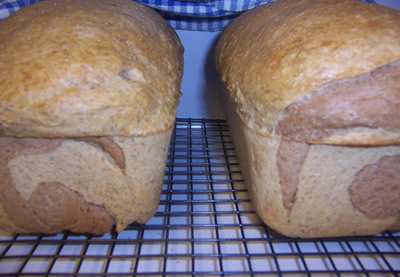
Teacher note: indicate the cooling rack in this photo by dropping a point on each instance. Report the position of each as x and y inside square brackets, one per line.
[205, 226]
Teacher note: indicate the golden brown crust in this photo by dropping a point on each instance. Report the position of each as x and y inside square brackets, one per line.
[375, 190]
[278, 53]
[73, 68]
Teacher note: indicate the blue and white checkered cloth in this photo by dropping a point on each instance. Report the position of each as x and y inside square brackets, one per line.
[212, 15]
[196, 15]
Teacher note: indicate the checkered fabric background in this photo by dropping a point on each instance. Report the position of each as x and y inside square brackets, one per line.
[196, 15]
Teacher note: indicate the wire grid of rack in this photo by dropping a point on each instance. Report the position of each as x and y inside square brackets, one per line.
[205, 225]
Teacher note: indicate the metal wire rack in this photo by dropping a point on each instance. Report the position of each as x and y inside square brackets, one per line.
[205, 226]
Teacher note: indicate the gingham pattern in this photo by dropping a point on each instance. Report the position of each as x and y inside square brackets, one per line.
[7, 7]
[196, 15]
[201, 15]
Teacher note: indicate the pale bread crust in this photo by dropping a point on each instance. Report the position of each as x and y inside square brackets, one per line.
[279, 54]
[88, 68]
[81, 175]
[321, 204]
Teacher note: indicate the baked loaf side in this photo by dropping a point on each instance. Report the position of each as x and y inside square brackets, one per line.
[315, 71]
[306, 190]
[82, 185]
[88, 68]
[313, 105]
[88, 98]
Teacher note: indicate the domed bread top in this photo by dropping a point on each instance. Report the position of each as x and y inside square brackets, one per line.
[316, 71]
[73, 68]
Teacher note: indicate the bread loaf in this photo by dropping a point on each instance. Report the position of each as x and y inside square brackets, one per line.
[313, 103]
[88, 98]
